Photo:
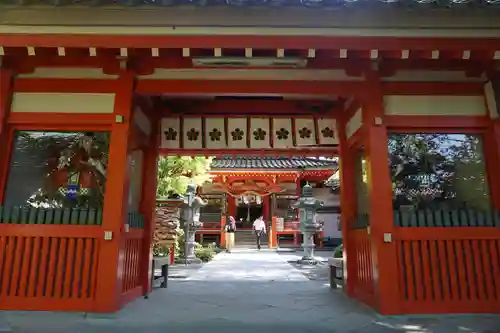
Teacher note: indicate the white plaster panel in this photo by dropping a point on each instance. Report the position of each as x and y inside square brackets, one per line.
[192, 133]
[435, 105]
[328, 134]
[63, 103]
[170, 133]
[431, 76]
[329, 199]
[215, 133]
[67, 73]
[142, 121]
[135, 159]
[237, 133]
[331, 227]
[305, 134]
[259, 133]
[354, 123]
[282, 133]
[491, 102]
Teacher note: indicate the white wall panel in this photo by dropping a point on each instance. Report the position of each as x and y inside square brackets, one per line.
[237, 133]
[63, 103]
[328, 134]
[192, 133]
[282, 133]
[259, 133]
[215, 133]
[435, 105]
[305, 134]
[354, 123]
[170, 133]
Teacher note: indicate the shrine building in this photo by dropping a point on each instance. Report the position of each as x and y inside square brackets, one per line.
[403, 95]
[249, 187]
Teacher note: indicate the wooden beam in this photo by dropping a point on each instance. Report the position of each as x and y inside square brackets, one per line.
[264, 87]
[225, 108]
[251, 41]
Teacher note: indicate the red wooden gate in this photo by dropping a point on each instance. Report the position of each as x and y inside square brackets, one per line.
[50, 267]
[449, 262]
[360, 248]
[49, 258]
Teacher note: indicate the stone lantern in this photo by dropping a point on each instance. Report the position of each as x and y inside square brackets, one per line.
[191, 222]
[309, 226]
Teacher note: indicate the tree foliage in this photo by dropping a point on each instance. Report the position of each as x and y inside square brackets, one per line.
[436, 170]
[39, 153]
[175, 173]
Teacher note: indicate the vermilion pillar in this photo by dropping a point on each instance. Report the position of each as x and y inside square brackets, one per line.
[347, 203]
[492, 139]
[148, 202]
[109, 275]
[380, 197]
[6, 81]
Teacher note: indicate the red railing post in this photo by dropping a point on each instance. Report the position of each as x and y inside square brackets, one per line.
[222, 244]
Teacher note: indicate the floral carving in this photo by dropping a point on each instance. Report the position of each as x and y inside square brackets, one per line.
[304, 133]
[237, 134]
[259, 134]
[327, 132]
[193, 134]
[215, 134]
[170, 134]
[282, 134]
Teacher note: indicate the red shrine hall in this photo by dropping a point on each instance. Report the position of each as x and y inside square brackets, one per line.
[406, 118]
[249, 187]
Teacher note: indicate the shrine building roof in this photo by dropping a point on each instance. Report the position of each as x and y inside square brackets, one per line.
[281, 163]
[383, 4]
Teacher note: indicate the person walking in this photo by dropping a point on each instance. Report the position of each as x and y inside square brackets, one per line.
[230, 228]
[259, 228]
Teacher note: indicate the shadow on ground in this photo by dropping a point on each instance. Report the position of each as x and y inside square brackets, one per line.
[254, 292]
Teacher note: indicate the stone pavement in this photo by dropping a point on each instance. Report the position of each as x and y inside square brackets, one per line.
[247, 292]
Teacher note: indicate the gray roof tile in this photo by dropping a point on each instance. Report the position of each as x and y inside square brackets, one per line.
[272, 163]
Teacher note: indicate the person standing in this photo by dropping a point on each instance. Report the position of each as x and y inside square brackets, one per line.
[259, 228]
[230, 228]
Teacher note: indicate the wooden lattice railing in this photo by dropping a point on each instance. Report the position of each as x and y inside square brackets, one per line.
[362, 263]
[449, 260]
[132, 250]
[53, 267]
[49, 257]
[33, 215]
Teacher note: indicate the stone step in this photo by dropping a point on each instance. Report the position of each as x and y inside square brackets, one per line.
[246, 239]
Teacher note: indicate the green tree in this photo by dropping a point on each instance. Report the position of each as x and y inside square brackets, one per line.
[432, 170]
[175, 173]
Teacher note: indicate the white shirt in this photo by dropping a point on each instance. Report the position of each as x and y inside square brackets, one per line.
[259, 224]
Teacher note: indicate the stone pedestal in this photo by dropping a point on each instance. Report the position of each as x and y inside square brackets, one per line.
[308, 246]
[190, 255]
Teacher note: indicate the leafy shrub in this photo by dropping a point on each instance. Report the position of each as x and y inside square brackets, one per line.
[160, 250]
[205, 254]
[338, 252]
